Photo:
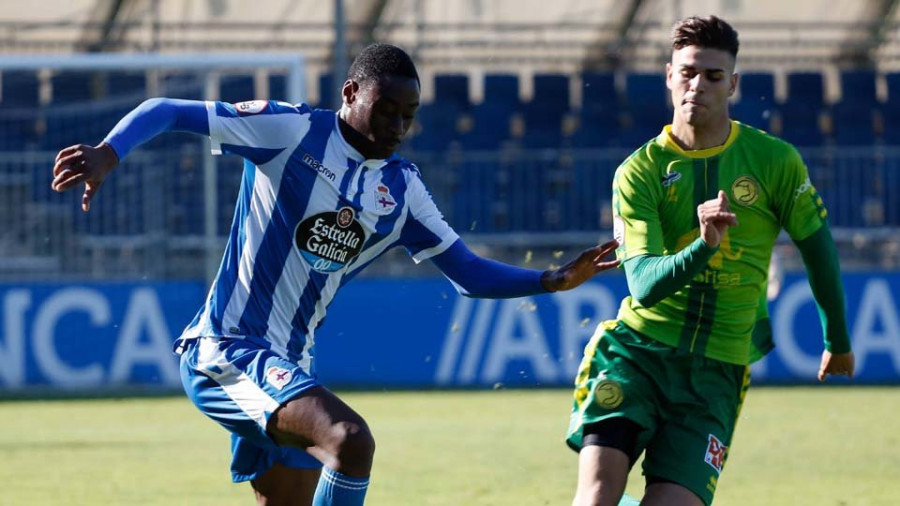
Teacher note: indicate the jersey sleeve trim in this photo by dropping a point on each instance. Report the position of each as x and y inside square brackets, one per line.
[425, 254]
[215, 133]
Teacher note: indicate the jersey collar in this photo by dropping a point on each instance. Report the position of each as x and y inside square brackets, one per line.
[665, 140]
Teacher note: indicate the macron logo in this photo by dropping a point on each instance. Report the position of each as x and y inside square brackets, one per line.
[318, 167]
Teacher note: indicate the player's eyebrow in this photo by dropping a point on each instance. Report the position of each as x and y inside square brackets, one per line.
[687, 66]
[391, 101]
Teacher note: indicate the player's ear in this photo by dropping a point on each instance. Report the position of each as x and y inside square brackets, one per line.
[348, 92]
[734, 82]
[669, 75]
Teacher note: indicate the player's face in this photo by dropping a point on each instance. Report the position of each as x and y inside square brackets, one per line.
[701, 81]
[382, 111]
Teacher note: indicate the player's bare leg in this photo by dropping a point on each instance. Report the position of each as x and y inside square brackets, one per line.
[669, 494]
[327, 429]
[602, 474]
[285, 486]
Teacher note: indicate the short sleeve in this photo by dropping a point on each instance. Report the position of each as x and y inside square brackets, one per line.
[636, 222]
[263, 125]
[425, 233]
[799, 206]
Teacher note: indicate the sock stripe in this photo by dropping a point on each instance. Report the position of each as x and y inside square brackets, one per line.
[345, 481]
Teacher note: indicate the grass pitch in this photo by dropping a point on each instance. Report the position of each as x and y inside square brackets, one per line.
[794, 446]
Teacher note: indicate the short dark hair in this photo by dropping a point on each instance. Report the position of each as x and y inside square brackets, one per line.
[378, 60]
[709, 32]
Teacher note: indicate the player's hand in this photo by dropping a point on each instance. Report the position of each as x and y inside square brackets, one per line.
[715, 217]
[836, 364]
[83, 164]
[583, 268]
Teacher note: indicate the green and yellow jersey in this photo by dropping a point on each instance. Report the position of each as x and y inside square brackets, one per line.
[656, 192]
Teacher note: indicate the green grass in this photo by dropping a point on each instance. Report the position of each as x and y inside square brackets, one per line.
[794, 446]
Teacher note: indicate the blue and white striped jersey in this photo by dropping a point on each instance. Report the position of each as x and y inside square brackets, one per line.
[312, 212]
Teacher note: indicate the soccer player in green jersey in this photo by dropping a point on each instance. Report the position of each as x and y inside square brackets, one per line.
[697, 211]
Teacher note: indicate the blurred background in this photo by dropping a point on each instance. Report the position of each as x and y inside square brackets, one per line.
[528, 108]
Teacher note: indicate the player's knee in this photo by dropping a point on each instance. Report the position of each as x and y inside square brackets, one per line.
[355, 446]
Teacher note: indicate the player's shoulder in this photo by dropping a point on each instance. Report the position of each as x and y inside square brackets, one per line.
[765, 143]
[261, 108]
[644, 159]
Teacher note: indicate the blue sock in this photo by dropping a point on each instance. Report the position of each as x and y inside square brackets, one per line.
[336, 489]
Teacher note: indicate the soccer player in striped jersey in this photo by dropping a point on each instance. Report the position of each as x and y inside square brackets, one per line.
[323, 195]
[696, 212]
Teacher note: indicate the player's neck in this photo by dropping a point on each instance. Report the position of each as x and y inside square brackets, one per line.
[693, 138]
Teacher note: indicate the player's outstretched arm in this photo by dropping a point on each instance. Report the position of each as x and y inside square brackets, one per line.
[824, 271]
[582, 268]
[474, 276]
[91, 165]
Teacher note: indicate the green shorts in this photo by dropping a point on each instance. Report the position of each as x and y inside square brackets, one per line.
[687, 404]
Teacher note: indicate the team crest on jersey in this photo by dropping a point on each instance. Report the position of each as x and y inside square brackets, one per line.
[251, 107]
[384, 202]
[608, 394]
[278, 377]
[670, 178]
[715, 454]
[329, 241]
[745, 190]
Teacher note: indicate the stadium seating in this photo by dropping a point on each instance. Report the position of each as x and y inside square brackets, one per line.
[490, 126]
[20, 89]
[502, 89]
[647, 110]
[800, 114]
[599, 114]
[71, 87]
[437, 126]
[757, 100]
[329, 90]
[126, 84]
[236, 88]
[452, 89]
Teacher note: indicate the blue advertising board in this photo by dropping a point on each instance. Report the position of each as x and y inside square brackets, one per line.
[406, 333]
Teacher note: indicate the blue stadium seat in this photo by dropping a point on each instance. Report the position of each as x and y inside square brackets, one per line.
[70, 87]
[854, 123]
[858, 86]
[278, 87]
[235, 88]
[893, 86]
[643, 89]
[800, 112]
[437, 126]
[646, 108]
[490, 126]
[806, 88]
[452, 88]
[502, 89]
[800, 124]
[552, 90]
[599, 126]
[598, 88]
[328, 91]
[757, 103]
[183, 85]
[20, 89]
[890, 118]
[131, 84]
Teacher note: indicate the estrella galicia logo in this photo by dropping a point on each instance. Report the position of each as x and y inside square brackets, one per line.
[670, 178]
[328, 241]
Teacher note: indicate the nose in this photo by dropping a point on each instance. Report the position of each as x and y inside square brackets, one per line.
[697, 83]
